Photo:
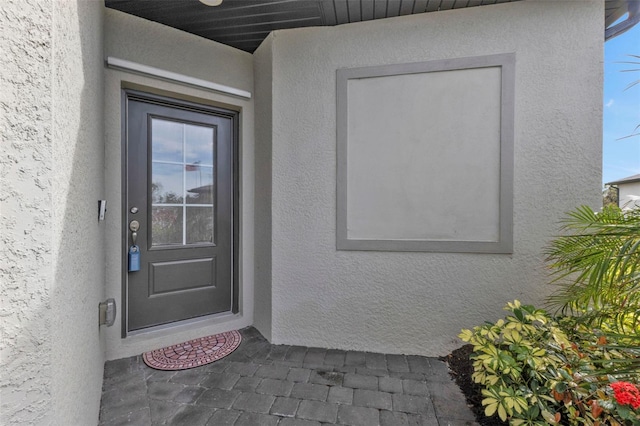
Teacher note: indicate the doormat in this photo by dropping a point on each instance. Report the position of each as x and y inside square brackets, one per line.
[193, 353]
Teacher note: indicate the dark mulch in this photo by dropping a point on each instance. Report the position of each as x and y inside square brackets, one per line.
[461, 370]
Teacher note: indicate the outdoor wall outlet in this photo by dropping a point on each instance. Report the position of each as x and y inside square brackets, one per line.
[107, 312]
[102, 209]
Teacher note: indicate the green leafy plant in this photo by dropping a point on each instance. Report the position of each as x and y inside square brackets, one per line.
[596, 268]
[537, 369]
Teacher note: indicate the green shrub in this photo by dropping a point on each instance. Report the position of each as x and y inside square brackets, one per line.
[596, 268]
[537, 369]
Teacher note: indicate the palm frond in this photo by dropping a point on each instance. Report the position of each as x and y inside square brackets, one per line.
[596, 265]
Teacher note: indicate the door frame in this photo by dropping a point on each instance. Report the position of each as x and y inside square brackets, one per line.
[176, 102]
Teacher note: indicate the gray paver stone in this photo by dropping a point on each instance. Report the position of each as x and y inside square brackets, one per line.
[418, 420]
[139, 418]
[296, 353]
[334, 357]
[253, 347]
[456, 422]
[111, 399]
[310, 391]
[299, 375]
[255, 375]
[272, 372]
[285, 407]
[357, 416]
[390, 384]
[439, 371]
[160, 410]
[220, 381]
[254, 402]
[330, 378]
[247, 384]
[408, 375]
[278, 352]
[375, 361]
[419, 364]
[163, 390]
[298, 422]
[345, 369]
[120, 367]
[288, 364]
[359, 381]
[160, 376]
[415, 387]
[189, 395]
[257, 419]
[316, 410]
[124, 407]
[275, 387]
[414, 404]
[393, 418]
[223, 418]
[397, 363]
[192, 415]
[373, 399]
[242, 368]
[369, 372]
[218, 398]
[216, 367]
[340, 395]
[315, 356]
[128, 385]
[192, 376]
[354, 358]
[449, 402]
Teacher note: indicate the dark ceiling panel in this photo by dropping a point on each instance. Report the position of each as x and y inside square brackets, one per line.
[342, 12]
[353, 10]
[328, 12]
[367, 10]
[379, 9]
[244, 24]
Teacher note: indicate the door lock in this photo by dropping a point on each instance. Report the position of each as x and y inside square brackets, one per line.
[134, 225]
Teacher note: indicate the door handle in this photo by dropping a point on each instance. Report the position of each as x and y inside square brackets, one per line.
[134, 226]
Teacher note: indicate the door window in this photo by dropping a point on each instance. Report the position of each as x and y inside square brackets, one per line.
[182, 183]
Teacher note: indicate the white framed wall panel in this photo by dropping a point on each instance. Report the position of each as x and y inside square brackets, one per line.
[425, 156]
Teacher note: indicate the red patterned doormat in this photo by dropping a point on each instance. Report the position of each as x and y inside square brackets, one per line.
[193, 353]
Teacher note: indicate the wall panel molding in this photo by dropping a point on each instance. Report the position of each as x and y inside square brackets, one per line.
[425, 156]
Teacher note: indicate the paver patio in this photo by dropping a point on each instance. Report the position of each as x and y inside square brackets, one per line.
[263, 384]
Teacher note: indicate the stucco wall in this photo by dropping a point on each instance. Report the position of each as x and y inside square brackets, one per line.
[418, 302]
[78, 237]
[145, 42]
[52, 177]
[263, 77]
[26, 255]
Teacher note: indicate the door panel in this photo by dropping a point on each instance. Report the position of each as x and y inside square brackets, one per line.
[179, 187]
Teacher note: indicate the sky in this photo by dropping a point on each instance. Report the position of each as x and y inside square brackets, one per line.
[621, 157]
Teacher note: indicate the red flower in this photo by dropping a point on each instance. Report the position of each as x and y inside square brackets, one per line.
[626, 393]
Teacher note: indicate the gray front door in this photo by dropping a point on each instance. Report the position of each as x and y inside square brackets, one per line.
[179, 188]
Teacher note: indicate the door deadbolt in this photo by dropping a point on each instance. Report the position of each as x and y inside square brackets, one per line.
[134, 225]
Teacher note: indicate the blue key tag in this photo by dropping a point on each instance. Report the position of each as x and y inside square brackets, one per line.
[134, 258]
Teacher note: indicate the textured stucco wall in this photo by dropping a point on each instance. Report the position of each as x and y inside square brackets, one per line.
[26, 254]
[418, 302]
[263, 78]
[135, 39]
[52, 247]
[77, 357]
